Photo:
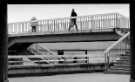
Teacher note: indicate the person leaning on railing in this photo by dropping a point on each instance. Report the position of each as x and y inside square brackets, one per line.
[73, 20]
[34, 24]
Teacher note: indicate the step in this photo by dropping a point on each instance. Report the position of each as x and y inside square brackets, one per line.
[123, 60]
[120, 68]
[119, 64]
[125, 54]
[125, 57]
[117, 71]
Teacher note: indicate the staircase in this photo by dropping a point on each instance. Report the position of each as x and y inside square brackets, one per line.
[122, 61]
[122, 65]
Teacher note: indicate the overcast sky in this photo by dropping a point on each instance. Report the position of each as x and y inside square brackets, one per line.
[17, 13]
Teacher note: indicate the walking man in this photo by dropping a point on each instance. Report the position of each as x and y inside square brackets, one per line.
[34, 24]
[73, 20]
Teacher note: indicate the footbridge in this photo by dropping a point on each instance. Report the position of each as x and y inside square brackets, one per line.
[101, 27]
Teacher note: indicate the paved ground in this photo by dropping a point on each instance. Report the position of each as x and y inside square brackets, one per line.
[85, 77]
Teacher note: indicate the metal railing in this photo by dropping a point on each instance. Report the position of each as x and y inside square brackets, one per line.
[84, 23]
[39, 60]
[118, 48]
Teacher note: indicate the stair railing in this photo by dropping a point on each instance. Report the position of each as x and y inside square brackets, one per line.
[107, 52]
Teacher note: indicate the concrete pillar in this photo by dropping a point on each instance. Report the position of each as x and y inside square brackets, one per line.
[3, 43]
[132, 78]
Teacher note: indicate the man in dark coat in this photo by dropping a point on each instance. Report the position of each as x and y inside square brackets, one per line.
[73, 20]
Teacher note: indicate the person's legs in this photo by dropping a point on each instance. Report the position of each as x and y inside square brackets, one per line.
[76, 27]
[74, 21]
[70, 25]
[33, 28]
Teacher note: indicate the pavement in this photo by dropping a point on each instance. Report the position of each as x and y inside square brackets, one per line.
[81, 77]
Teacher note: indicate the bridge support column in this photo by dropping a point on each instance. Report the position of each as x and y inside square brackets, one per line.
[3, 43]
[132, 77]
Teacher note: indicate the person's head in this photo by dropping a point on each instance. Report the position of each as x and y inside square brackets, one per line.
[33, 18]
[73, 10]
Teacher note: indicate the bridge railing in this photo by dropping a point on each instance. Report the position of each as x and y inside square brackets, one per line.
[93, 22]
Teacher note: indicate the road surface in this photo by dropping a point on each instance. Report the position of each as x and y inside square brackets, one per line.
[85, 77]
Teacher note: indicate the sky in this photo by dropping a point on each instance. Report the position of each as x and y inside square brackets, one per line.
[24, 12]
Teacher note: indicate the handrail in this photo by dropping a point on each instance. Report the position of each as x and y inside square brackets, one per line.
[70, 59]
[61, 24]
[113, 13]
[19, 56]
[115, 43]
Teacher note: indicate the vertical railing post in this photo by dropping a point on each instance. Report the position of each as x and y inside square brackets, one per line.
[65, 25]
[23, 24]
[48, 25]
[87, 23]
[39, 27]
[51, 25]
[45, 25]
[25, 28]
[113, 21]
[117, 21]
[15, 28]
[88, 19]
[21, 27]
[62, 24]
[92, 23]
[54, 25]
[26, 24]
[42, 25]
[106, 61]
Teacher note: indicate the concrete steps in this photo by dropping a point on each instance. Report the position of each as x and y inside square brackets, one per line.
[122, 65]
[118, 71]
